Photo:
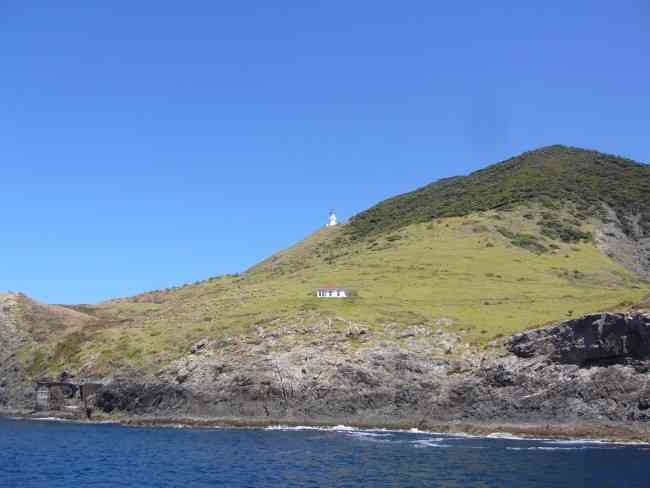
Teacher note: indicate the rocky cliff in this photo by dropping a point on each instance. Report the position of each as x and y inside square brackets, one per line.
[12, 337]
[590, 340]
[594, 368]
[589, 369]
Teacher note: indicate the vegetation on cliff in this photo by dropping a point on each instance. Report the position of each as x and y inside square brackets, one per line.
[550, 175]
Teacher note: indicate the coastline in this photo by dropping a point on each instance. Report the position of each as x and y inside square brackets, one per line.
[614, 432]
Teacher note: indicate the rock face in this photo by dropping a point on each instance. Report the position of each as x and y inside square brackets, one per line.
[592, 339]
[10, 334]
[631, 250]
[594, 369]
[11, 339]
[590, 369]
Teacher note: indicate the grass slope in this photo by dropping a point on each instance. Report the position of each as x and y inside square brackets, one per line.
[490, 254]
[461, 273]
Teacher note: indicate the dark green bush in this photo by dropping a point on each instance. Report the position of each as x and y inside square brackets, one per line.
[551, 176]
[554, 229]
[523, 240]
[528, 242]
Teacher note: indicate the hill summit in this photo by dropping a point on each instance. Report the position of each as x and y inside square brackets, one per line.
[549, 175]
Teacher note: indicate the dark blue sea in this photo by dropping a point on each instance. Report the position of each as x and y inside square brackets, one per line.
[64, 454]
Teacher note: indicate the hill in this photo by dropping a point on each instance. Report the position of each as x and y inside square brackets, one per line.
[28, 329]
[444, 271]
[521, 243]
[551, 175]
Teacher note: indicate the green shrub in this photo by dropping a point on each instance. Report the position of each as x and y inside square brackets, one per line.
[556, 230]
[68, 348]
[38, 364]
[552, 176]
[528, 242]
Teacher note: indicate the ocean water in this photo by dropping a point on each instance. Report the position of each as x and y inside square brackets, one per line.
[64, 454]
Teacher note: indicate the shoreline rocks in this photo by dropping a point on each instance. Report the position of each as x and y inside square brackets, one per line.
[588, 370]
[615, 432]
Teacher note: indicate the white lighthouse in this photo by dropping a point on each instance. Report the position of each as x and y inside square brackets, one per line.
[332, 222]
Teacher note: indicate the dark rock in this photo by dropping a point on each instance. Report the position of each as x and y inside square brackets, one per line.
[142, 398]
[588, 340]
[588, 369]
[499, 376]
[199, 346]
[356, 332]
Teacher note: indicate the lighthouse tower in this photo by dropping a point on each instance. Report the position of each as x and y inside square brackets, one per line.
[332, 222]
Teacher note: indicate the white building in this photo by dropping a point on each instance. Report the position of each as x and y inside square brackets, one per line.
[332, 292]
[332, 221]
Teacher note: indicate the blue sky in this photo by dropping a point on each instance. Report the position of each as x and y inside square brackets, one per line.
[152, 143]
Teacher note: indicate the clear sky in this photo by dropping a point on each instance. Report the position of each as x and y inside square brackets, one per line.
[152, 143]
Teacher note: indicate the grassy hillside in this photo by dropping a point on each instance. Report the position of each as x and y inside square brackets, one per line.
[550, 175]
[40, 321]
[459, 274]
[39, 329]
[508, 249]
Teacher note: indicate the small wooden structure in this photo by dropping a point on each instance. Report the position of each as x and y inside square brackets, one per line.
[54, 395]
[65, 396]
[88, 394]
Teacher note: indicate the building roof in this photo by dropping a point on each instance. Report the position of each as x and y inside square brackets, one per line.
[330, 287]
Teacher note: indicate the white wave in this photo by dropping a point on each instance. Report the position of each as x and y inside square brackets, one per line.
[456, 435]
[549, 443]
[513, 437]
[296, 428]
[504, 435]
[548, 440]
[369, 437]
[557, 448]
[49, 419]
[542, 448]
[596, 442]
[336, 428]
[361, 433]
[434, 442]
